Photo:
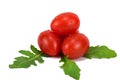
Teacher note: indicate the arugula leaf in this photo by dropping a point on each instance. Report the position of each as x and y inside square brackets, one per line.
[70, 68]
[100, 52]
[26, 53]
[28, 59]
[36, 51]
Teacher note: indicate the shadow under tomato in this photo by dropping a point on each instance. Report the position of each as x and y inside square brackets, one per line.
[80, 59]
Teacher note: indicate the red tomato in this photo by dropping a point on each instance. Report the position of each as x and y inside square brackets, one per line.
[75, 45]
[49, 43]
[65, 23]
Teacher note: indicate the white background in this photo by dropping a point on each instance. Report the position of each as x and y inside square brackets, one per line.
[21, 21]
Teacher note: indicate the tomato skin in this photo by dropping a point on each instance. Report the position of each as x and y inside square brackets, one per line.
[75, 45]
[49, 43]
[65, 23]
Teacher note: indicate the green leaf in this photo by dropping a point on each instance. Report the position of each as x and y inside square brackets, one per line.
[22, 62]
[26, 53]
[27, 60]
[100, 52]
[70, 68]
[36, 51]
[40, 60]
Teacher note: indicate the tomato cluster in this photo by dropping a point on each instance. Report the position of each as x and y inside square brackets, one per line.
[64, 37]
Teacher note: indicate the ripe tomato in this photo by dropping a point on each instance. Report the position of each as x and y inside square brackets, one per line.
[49, 43]
[65, 23]
[75, 45]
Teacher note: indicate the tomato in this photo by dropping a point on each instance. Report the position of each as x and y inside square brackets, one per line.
[49, 43]
[65, 23]
[75, 45]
